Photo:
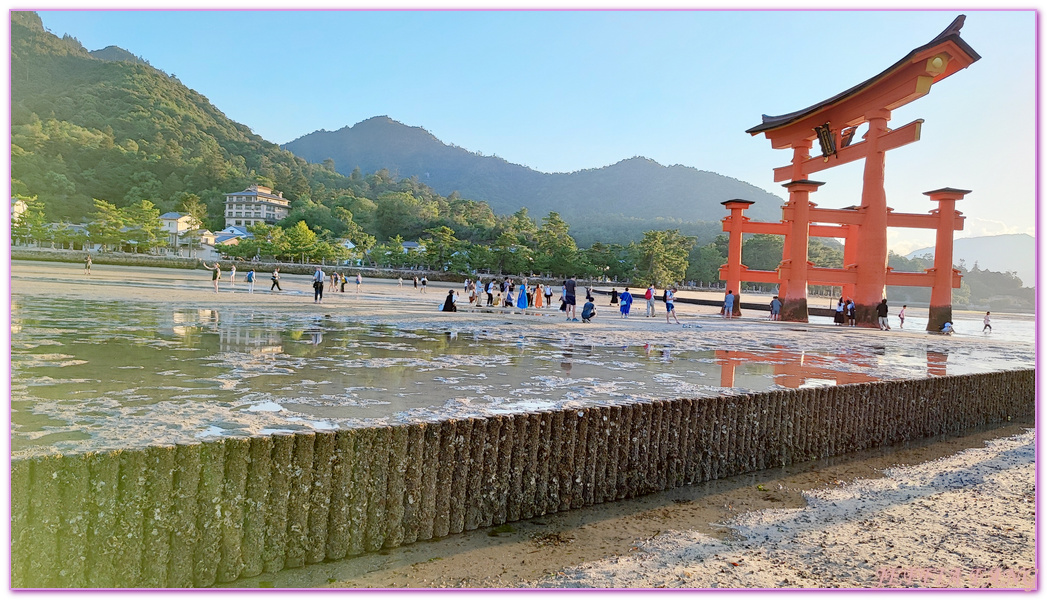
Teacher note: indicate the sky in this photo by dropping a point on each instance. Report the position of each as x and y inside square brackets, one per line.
[561, 91]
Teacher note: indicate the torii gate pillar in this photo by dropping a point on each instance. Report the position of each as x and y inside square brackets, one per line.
[941, 291]
[793, 269]
[871, 286]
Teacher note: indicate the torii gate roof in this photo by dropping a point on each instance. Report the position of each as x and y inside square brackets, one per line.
[951, 34]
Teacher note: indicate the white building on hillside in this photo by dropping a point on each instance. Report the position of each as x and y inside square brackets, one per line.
[256, 204]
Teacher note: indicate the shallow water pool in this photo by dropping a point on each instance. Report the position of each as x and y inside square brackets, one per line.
[91, 375]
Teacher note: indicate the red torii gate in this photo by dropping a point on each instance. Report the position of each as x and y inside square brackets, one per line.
[833, 122]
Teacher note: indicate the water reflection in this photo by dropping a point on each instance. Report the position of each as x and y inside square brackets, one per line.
[87, 375]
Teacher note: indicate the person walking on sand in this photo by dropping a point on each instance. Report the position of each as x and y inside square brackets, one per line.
[87, 265]
[424, 282]
[275, 277]
[985, 322]
[649, 296]
[250, 281]
[359, 282]
[318, 285]
[881, 315]
[416, 282]
[728, 305]
[901, 317]
[549, 296]
[400, 280]
[232, 276]
[625, 303]
[670, 305]
[216, 275]
[538, 295]
[614, 296]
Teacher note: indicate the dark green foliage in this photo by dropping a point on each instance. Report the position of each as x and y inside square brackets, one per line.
[85, 127]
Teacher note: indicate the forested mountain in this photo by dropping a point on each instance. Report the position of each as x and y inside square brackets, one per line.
[633, 188]
[117, 129]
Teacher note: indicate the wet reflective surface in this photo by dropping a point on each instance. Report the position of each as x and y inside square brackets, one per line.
[92, 375]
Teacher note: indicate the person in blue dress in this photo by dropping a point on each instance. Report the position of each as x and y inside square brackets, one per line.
[625, 303]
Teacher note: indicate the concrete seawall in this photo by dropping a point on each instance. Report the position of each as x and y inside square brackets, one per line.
[196, 514]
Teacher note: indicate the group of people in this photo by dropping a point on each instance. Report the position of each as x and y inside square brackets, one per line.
[625, 301]
[318, 281]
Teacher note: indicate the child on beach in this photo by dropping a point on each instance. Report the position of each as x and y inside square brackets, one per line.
[985, 321]
[901, 316]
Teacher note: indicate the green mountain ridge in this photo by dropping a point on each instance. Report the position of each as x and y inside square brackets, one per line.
[635, 187]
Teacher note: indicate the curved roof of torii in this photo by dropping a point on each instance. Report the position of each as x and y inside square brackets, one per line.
[951, 33]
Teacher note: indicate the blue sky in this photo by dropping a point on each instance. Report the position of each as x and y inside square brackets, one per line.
[568, 90]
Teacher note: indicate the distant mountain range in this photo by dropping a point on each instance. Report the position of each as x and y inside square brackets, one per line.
[636, 187]
[1004, 253]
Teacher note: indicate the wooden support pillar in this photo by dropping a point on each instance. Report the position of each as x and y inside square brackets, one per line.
[734, 225]
[794, 268]
[941, 291]
[850, 254]
[872, 234]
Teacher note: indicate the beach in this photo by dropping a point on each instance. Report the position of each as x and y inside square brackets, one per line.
[960, 514]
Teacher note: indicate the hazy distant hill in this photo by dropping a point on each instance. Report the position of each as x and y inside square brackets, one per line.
[636, 187]
[1004, 253]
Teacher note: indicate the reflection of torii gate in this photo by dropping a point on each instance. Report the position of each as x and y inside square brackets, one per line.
[833, 122]
[793, 368]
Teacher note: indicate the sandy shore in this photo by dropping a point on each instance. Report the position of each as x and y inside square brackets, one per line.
[967, 512]
[964, 521]
[381, 301]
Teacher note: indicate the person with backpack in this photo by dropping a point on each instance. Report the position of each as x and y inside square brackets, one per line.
[649, 295]
[670, 304]
[250, 281]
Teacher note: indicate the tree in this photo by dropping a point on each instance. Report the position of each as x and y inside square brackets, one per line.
[143, 228]
[300, 240]
[557, 252]
[106, 223]
[362, 241]
[511, 256]
[31, 224]
[662, 257]
[705, 262]
[197, 211]
[440, 246]
[763, 252]
[611, 260]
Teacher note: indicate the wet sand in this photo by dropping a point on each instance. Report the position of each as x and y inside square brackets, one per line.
[612, 544]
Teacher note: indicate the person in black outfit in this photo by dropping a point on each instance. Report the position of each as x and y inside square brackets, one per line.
[449, 305]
